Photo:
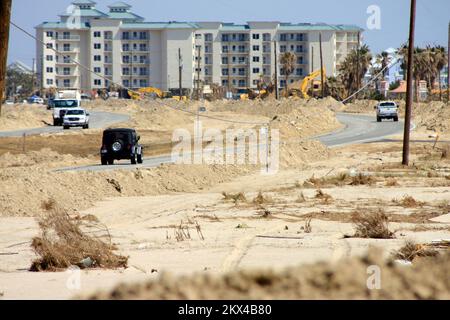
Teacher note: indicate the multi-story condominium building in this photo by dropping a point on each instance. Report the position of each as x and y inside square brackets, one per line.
[121, 48]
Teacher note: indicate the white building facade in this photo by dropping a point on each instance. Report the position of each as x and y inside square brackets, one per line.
[120, 48]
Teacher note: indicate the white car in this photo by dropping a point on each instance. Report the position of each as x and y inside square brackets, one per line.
[76, 117]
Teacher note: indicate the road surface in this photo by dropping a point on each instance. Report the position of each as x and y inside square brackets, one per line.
[98, 120]
[358, 129]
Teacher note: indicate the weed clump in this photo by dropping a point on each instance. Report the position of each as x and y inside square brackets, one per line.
[372, 225]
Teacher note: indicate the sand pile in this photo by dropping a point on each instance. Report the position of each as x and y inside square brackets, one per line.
[427, 279]
[433, 116]
[23, 190]
[361, 106]
[45, 157]
[22, 116]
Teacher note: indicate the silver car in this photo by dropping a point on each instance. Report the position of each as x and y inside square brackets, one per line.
[387, 110]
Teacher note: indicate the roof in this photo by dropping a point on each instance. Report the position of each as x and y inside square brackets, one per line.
[159, 25]
[94, 13]
[119, 129]
[120, 4]
[401, 88]
[125, 16]
[85, 2]
[60, 25]
[318, 27]
[19, 66]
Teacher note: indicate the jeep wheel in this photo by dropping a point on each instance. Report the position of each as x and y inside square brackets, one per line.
[133, 159]
[139, 159]
[110, 162]
[378, 119]
[86, 126]
[66, 127]
[395, 119]
[104, 161]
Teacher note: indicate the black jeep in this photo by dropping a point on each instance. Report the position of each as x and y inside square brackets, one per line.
[121, 144]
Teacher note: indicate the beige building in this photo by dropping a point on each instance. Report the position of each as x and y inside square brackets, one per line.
[124, 49]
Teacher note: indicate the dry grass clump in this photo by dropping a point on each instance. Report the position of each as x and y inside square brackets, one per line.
[392, 182]
[62, 244]
[301, 198]
[262, 199]
[307, 228]
[237, 197]
[372, 225]
[48, 205]
[445, 152]
[362, 179]
[412, 250]
[337, 180]
[409, 202]
[325, 197]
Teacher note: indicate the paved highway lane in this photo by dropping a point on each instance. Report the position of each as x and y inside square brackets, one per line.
[98, 120]
[358, 129]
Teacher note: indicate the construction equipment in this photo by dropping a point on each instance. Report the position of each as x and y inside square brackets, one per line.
[140, 93]
[310, 78]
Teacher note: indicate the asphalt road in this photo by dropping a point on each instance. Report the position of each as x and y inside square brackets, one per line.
[98, 120]
[358, 129]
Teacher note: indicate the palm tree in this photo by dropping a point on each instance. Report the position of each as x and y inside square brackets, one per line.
[439, 62]
[354, 68]
[288, 60]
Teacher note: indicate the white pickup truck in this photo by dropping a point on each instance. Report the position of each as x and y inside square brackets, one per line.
[387, 110]
[76, 118]
[65, 100]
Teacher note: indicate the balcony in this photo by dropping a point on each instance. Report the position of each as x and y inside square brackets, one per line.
[67, 75]
[66, 38]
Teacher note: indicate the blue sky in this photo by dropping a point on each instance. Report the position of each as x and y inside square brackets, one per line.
[432, 17]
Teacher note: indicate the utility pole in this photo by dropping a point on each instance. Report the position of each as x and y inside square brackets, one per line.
[448, 65]
[358, 65]
[312, 60]
[33, 77]
[409, 85]
[198, 71]
[277, 94]
[180, 72]
[5, 18]
[322, 80]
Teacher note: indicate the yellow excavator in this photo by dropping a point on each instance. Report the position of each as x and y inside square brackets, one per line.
[139, 94]
[310, 78]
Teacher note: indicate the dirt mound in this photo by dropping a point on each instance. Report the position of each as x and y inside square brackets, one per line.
[433, 116]
[361, 106]
[22, 116]
[24, 190]
[45, 157]
[349, 279]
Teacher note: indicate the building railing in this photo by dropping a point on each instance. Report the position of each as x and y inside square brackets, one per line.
[67, 38]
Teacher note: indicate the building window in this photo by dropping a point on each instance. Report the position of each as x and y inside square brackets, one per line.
[225, 37]
[300, 60]
[66, 71]
[49, 58]
[255, 48]
[66, 47]
[224, 60]
[97, 34]
[126, 71]
[66, 83]
[143, 35]
[143, 71]
[97, 58]
[255, 36]
[126, 35]
[126, 59]
[255, 59]
[143, 83]
[299, 72]
[299, 48]
[66, 59]
[198, 36]
[224, 82]
[49, 45]
[225, 72]
[49, 82]
[125, 47]
[49, 70]
[126, 83]
[300, 37]
[209, 37]
[143, 47]
[97, 69]
[255, 70]
[283, 37]
[97, 82]
[242, 83]
[225, 49]
[283, 48]
[49, 34]
[97, 46]
[266, 37]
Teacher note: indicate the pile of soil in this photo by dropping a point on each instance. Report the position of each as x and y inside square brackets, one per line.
[22, 116]
[349, 279]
